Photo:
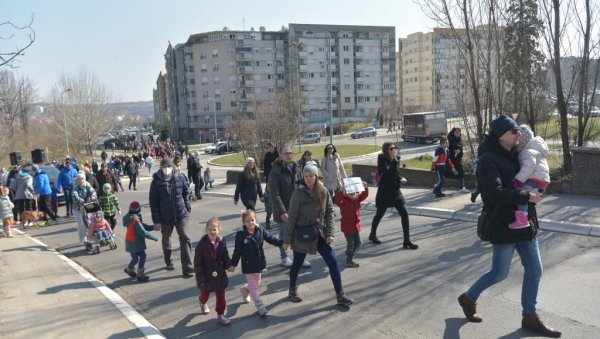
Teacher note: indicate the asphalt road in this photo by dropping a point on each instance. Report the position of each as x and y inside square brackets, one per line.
[399, 293]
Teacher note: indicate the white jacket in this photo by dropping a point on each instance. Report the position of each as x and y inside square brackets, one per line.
[333, 172]
[533, 161]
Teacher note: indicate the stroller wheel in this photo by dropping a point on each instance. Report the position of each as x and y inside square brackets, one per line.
[88, 246]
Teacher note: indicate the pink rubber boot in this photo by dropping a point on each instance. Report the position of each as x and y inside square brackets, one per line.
[521, 220]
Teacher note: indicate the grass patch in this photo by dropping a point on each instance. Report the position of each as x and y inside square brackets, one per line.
[345, 151]
[550, 129]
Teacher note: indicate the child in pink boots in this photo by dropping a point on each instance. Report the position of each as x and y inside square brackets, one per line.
[534, 173]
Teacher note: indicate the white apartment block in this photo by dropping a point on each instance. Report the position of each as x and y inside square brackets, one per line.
[159, 95]
[432, 73]
[344, 71]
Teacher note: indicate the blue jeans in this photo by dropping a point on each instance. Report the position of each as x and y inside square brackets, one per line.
[135, 256]
[439, 175]
[501, 258]
[328, 254]
[281, 227]
[69, 199]
[102, 235]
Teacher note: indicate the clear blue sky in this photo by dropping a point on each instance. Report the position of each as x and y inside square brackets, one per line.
[123, 42]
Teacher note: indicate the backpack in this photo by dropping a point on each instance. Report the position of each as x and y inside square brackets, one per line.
[376, 177]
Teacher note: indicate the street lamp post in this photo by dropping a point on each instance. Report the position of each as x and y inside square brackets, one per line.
[329, 85]
[65, 119]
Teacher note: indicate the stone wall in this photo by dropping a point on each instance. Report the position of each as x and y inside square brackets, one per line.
[413, 176]
[586, 173]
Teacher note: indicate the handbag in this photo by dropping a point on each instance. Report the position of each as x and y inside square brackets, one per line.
[484, 224]
[376, 177]
[307, 233]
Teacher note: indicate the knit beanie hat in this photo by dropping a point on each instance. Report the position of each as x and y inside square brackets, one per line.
[81, 174]
[99, 214]
[106, 186]
[526, 136]
[35, 168]
[134, 207]
[248, 159]
[501, 125]
[167, 162]
[311, 169]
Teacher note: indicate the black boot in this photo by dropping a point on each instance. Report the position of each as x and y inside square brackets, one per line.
[534, 323]
[293, 295]
[373, 239]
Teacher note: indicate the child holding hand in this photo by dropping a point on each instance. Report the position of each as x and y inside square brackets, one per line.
[211, 259]
[249, 247]
[135, 241]
[349, 204]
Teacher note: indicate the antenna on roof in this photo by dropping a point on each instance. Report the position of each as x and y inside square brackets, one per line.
[243, 24]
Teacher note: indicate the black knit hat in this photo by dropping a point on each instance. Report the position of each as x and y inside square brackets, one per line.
[501, 125]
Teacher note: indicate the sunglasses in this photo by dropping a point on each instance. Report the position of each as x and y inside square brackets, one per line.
[329, 148]
[391, 148]
[514, 131]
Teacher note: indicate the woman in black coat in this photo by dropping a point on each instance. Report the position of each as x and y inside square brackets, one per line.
[389, 194]
[455, 153]
[248, 186]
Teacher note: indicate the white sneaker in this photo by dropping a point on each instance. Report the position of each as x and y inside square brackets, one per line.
[306, 264]
[204, 309]
[245, 294]
[464, 190]
[286, 262]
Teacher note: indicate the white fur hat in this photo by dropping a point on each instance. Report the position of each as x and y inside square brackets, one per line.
[248, 160]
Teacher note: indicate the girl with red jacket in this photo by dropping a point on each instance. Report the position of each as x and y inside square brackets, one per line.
[349, 204]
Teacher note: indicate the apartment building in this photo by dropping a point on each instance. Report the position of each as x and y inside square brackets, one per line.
[348, 72]
[159, 95]
[431, 72]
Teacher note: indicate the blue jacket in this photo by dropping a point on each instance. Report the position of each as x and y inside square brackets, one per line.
[169, 199]
[65, 178]
[41, 183]
[137, 232]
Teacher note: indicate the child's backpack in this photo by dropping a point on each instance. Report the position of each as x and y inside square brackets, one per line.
[376, 177]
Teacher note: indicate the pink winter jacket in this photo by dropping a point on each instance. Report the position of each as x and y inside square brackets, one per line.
[96, 226]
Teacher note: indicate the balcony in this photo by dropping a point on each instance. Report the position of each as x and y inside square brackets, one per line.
[279, 56]
[280, 69]
[359, 55]
[386, 67]
[281, 83]
[304, 67]
[360, 67]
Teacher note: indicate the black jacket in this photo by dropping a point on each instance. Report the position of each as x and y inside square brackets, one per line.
[495, 170]
[169, 199]
[455, 143]
[282, 183]
[268, 163]
[250, 249]
[248, 188]
[388, 194]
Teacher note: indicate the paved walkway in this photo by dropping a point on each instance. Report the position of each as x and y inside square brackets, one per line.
[37, 285]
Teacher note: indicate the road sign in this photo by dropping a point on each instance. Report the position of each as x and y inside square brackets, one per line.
[375, 124]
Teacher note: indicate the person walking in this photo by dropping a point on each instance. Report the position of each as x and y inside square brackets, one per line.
[248, 185]
[195, 173]
[271, 155]
[41, 184]
[498, 164]
[333, 169]
[149, 163]
[455, 154]
[131, 169]
[135, 241]
[311, 209]
[349, 204]
[24, 194]
[170, 207]
[440, 164]
[282, 183]
[389, 193]
[83, 193]
[104, 176]
[65, 180]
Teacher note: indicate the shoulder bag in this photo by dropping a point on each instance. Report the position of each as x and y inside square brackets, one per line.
[484, 224]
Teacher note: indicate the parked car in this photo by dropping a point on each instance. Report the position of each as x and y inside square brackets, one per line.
[364, 133]
[53, 173]
[310, 138]
[212, 148]
[228, 146]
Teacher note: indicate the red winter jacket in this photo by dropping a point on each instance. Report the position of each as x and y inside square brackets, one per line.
[350, 210]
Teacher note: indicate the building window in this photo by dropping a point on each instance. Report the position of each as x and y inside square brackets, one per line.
[257, 63]
[231, 64]
[215, 53]
[215, 67]
[269, 76]
[280, 76]
[192, 81]
[346, 61]
[218, 105]
[269, 64]
[217, 80]
[347, 100]
[271, 90]
[230, 51]
[256, 50]
[346, 48]
[347, 86]
[202, 55]
[193, 95]
[233, 104]
[217, 93]
[269, 51]
[190, 68]
[232, 91]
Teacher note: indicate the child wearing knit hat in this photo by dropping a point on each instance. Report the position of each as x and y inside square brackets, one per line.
[534, 173]
[135, 241]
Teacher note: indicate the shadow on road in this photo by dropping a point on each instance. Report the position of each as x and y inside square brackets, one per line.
[64, 287]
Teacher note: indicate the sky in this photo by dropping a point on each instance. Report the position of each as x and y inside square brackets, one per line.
[123, 42]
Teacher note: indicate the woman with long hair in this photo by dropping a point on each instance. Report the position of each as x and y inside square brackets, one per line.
[248, 185]
[333, 169]
[389, 193]
[310, 230]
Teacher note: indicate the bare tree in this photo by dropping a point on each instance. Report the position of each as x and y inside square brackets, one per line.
[82, 102]
[273, 121]
[24, 33]
[16, 98]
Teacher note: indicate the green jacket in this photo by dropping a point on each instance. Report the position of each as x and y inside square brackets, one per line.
[137, 232]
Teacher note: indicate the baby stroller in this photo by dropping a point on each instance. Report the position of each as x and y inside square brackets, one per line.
[93, 244]
[191, 192]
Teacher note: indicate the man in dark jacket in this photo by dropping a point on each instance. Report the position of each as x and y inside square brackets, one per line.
[104, 176]
[195, 173]
[270, 156]
[170, 209]
[282, 182]
[498, 164]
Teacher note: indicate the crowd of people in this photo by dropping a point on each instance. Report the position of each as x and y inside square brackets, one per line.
[511, 176]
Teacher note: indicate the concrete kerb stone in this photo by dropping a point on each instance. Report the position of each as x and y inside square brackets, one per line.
[564, 227]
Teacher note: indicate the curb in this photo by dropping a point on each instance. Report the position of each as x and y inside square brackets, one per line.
[441, 213]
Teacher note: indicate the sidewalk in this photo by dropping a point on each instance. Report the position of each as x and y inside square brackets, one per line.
[38, 283]
[565, 213]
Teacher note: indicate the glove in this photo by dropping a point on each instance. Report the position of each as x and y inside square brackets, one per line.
[516, 183]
